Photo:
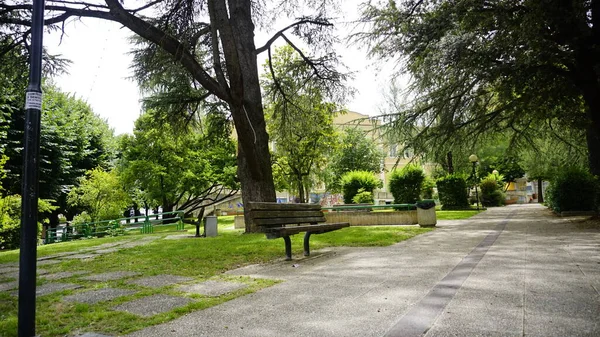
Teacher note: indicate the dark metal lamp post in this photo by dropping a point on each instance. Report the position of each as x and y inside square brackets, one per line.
[29, 197]
[473, 159]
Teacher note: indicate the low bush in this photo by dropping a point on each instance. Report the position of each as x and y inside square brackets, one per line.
[354, 181]
[10, 220]
[452, 191]
[491, 191]
[573, 189]
[363, 197]
[406, 184]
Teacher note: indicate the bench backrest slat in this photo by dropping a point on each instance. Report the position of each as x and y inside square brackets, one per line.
[275, 222]
[273, 206]
[266, 214]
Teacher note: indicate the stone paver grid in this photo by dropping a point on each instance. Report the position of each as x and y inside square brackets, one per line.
[105, 251]
[93, 334]
[50, 288]
[5, 270]
[158, 281]
[211, 288]
[9, 285]
[78, 256]
[153, 305]
[110, 276]
[47, 262]
[98, 295]
[64, 274]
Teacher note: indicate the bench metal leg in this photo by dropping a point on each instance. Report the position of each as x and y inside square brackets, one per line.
[288, 248]
[306, 245]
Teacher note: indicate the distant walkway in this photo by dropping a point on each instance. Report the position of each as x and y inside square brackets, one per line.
[510, 271]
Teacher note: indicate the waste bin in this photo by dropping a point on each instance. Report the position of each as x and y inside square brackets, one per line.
[210, 226]
[426, 213]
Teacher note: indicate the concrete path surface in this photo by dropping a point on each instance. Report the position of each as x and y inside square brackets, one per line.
[510, 271]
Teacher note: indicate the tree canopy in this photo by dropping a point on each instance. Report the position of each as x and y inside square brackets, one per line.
[357, 152]
[213, 41]
[73, 140]
[495, 66]
[300, 125]
[179, 169]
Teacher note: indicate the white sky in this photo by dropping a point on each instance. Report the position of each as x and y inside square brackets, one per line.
[100, 69]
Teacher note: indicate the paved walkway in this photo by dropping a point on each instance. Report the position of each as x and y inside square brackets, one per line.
[510, 271]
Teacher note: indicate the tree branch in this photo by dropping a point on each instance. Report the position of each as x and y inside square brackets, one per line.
[169, 44]
[280, 33]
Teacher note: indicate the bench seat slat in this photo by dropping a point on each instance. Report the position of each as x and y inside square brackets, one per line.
[315, 229]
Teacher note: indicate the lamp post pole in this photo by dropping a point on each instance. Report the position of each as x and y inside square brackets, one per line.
[29, 197]
[473, 159]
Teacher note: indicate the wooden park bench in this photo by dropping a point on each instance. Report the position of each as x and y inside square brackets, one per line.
[282, 220]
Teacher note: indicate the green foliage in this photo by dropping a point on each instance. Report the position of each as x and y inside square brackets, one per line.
[101, 193]
[452, 190]
[10, 214]
[491, 190]
[354, 181]
[428, 186]
[357, 152]
[363, 197]
[10, 222]
[483, 68]
[10, 219]
[82, 218]
[163, 165]
[406, 184]
[73, 140]
[300, 125]
[573, 189]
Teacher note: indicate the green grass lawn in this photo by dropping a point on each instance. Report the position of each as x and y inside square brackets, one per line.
[455, 215]
[200, 258]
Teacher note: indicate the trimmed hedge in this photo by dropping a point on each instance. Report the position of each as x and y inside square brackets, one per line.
[354, 181]
[452, 191]
[406, 184]
[573, 189]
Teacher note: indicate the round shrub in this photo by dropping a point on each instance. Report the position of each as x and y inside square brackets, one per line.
[406, 184]
[354, 181]
[363, 197]
[491, 194]
[573, 189]
[452, 190]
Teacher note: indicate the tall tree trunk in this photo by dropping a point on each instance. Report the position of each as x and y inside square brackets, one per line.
[254, 159]
[586, 79]
[234, 29]
[450, 164]
[54, 222]
[540, 188]
[200, 216]
[300, 189]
